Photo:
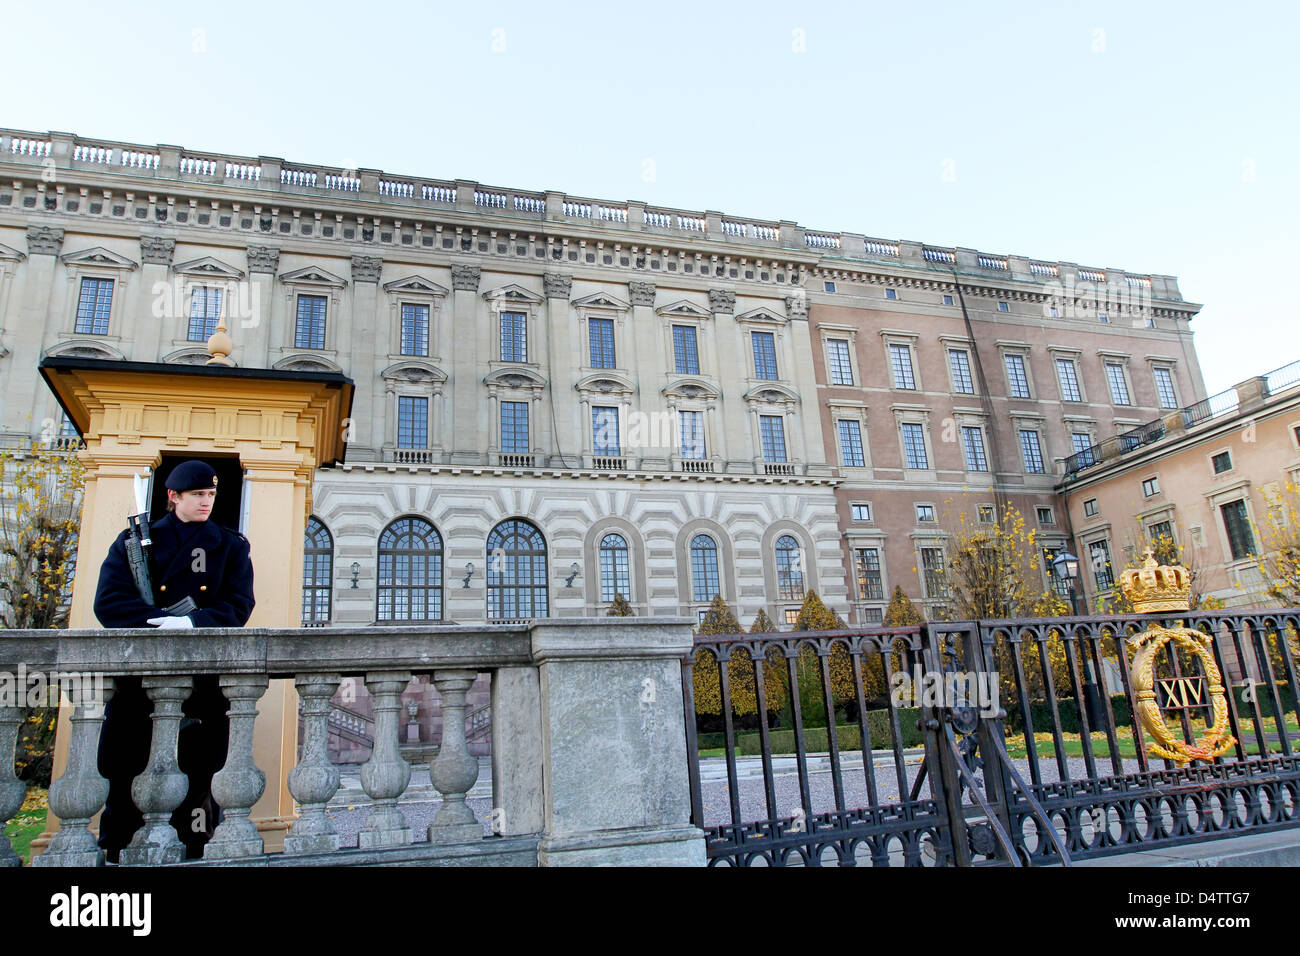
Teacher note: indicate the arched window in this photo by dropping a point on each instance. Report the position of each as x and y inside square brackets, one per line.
[516, 576]
[410, 572]
[614, 577]
[789, 569]
[704, 568]
[317, 573]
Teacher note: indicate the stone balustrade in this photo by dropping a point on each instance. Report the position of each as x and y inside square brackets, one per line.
[268, 181]
[588, 741]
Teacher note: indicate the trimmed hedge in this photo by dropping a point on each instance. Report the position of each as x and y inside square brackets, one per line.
[848, 736]
[1069, 711]
[1245, 709]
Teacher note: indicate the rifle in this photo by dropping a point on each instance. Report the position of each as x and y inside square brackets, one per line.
[137, 558]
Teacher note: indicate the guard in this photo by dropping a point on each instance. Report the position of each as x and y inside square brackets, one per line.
[191, 557]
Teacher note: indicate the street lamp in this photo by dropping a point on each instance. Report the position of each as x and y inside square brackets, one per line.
[1066, 567]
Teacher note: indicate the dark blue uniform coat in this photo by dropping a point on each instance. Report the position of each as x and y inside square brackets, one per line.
[211, 564]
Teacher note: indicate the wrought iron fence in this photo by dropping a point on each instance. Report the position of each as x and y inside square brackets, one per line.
[1025, 746]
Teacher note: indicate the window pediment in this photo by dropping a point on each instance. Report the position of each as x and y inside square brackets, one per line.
[682, 309]
[513, 294]
[191, 356]
[601, 302]
[690, 388]
[515, 377]
[415, 285]
[762, 315]
[415, 373]
[99, 257]
[208, 267]
[605, 382]
[305, 363]
[771, 392]
[9, 253]
[313, 276]
[83, 348]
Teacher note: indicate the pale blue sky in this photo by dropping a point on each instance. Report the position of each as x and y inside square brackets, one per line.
[1156, 137]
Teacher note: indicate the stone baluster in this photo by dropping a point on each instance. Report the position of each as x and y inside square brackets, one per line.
[79, 793]
[454, 770]
[161, 788]
[315, 780]
[385, 775]
[12, 790]
[239, 784]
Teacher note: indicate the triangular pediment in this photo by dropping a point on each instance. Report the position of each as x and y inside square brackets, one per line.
[208, 267]
[601, 301]
[416, 285]
[762, 315]
[682, 309]
[514, 293]
[98, 256]
[312, 275]
[7, 253]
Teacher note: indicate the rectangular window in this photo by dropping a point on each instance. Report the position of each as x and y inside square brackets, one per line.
[1017, 381]
[947, 300]
[829, 286]
[1150, 486]
[1237, 524]
[1045, 516]
[1031, 451]
[932, 573]
[1165, 388]
[205, 310]
[772, 432]
[514, 337]
[93, 306]
[1068, 376]
[514, 428]
[1004, 307]
[841, 368]
[870, 585]
[959, 362]
[986, 514]
[1099, 553]
[601, 333]
[891, 294]
[1118, 387]
[309, 330]
[900, 361]
[851, 443]
[691, 427]
[872, 615]
[1082, 447]
[686, 355]
[860, 512]
[914, 446]
[415, 329]
[1103, 317]
[764, 354]
[604, 430]
[1090, 509]
[1161, 536]
[792, 615]
[924, 512]
[1222, 462]
[412, 422]
[973, 441]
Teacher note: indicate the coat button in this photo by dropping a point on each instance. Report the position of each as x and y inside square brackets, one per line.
[203, 587]
[162, 587]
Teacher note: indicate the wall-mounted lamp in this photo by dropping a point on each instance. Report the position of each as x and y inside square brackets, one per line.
[469, 573]
[575, 569]
[356, 569]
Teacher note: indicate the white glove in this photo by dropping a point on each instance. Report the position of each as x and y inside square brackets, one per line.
[166, 623]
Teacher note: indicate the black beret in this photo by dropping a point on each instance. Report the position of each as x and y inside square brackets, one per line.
[192, 475]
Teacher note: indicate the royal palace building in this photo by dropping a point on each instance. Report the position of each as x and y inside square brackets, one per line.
[561, 399]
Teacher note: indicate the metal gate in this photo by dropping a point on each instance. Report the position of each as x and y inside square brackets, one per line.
[981, 743]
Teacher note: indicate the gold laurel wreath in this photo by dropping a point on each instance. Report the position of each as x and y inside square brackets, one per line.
[1217, 741]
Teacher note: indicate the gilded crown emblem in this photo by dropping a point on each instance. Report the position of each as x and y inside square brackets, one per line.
[1157, 587]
